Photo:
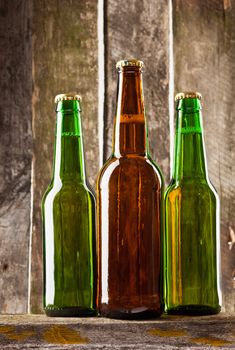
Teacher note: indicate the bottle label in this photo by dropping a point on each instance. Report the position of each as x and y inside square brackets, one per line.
[190, 130]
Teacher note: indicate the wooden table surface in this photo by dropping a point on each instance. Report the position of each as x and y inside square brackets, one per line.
[41, 332]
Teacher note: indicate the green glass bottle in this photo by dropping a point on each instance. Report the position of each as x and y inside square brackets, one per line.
[192, 255]
[68, 215]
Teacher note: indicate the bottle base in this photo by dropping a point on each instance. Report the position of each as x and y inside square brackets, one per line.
[193, 310]
[69, 312]
[134, 314]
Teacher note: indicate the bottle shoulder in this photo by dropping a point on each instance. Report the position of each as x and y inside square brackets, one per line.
[191, 187]
[71, 189]
[144, 161]
[131, 165]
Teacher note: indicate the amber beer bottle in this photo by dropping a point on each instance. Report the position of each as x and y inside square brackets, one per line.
[192, 256]
[130, 193]
[68, 213]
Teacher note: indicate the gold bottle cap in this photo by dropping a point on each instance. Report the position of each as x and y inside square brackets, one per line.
[188, 94]
[64, 97]
[129, 63]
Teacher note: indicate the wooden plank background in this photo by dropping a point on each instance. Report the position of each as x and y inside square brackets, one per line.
[204, 57]
[53, 46]
[140, 30]
[64, 59]
[15, 153]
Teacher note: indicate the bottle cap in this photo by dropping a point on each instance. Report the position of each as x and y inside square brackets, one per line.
[188, 94]
[129, 63]
[65, 97]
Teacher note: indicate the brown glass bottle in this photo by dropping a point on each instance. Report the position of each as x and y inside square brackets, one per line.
[130, 193]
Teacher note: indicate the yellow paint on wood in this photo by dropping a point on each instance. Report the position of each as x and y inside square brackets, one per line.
[63, 335]
[11, 332]
[20, 336]
[211, 341]
[6, 329]
[167, 333]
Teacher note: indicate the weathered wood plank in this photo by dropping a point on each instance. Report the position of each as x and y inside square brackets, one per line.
[64, 60]
[15, 153]
[204, 54]
[166, 333]
[140, 29]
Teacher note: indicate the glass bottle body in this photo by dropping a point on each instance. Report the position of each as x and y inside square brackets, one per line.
[192, 261]
[129, 195]
[129, 206]
[68, 212]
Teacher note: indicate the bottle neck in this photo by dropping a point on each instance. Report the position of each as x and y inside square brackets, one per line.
[68, 157]
[130, 127]
[189, 157]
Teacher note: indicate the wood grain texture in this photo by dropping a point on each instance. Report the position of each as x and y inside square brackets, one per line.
[15, 153]
[64, 60]
[140, 29]
[204, 55]
[39, 332]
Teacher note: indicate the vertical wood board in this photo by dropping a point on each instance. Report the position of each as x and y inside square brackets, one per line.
[15, 153]
[204, 57]
[64, 60]
[140, 29]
